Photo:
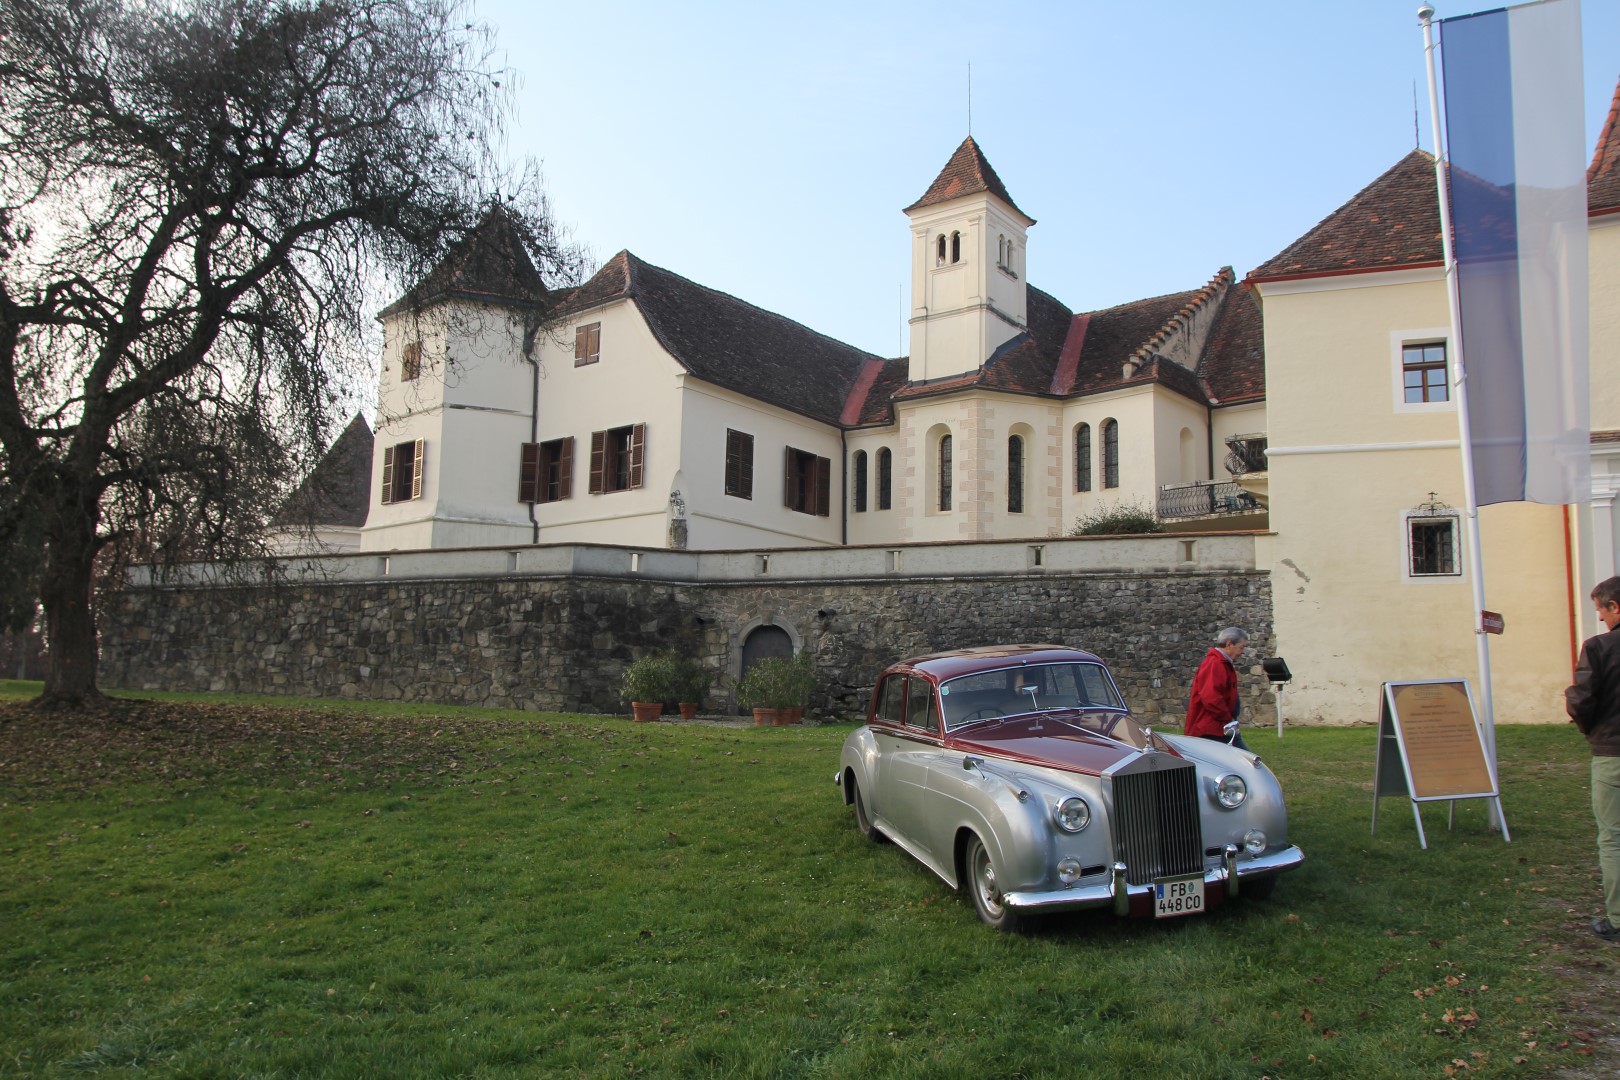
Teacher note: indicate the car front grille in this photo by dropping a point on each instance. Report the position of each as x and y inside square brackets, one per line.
[1156, 822]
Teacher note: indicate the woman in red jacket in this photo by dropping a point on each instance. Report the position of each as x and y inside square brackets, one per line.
[1212, 713]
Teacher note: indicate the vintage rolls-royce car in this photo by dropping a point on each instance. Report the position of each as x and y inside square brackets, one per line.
[1018, 772]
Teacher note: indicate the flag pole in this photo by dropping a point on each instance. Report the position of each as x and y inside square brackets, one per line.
[1464, 431]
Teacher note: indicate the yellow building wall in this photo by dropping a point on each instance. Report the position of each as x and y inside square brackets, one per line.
[1347, 461]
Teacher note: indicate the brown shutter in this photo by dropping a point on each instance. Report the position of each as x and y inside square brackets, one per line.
[565, 469]
[593, 347]
[388, 475]
[416, 469]
[745, 471]
[789, 494]
[733, 463]
[598, 460]
[638, 450]
[529, 473]
[581, 336]
[823, 505]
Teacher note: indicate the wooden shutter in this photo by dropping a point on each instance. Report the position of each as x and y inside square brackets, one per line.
[598, 460]
[790, 493]
[416, 469]
[565, 468]
[580, 338]
[823, 490]
[733, 463]
[388, 475]
[529, 473]
[638, 450]
[593, 346]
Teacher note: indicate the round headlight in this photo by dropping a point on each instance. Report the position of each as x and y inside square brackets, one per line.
[1072, 814]
[1254, 841]
[1230, 791]
[1068, 870]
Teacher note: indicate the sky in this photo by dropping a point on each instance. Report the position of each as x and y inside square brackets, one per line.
[767, 150]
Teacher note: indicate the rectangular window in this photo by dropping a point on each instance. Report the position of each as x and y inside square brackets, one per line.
[546, 472]
[616, 458]
[739, 464]
[410, 362]
[587, 344]
[807, 483]
[1423, 373]
[1432, 546]
[402, 471]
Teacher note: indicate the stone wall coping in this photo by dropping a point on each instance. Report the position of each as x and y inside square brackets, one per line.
[1167, 553]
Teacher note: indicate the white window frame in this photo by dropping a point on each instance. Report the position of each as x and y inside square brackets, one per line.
[1456, 577]
[1398, 341]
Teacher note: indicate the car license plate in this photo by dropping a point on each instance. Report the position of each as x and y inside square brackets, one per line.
[1178, 896]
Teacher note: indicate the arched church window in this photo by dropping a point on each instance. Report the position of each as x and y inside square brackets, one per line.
[860, 481]
[939, 257]
[1015, 474]
[956, 247]
[1110, 453]
[885, 475]
[1082, 457]
[944, 472]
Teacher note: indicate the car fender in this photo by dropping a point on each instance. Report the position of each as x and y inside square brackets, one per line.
[990, 800]
[1263, 809]
[858, 760]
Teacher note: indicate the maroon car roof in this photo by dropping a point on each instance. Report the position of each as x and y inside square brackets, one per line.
[950, 665]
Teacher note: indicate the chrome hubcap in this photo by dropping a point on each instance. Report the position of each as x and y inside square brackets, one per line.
[989, 894]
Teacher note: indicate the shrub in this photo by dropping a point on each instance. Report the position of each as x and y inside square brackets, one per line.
[650, 678]
[691, 679]
[1116, 519]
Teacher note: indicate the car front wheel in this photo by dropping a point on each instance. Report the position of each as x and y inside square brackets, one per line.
[982, 883]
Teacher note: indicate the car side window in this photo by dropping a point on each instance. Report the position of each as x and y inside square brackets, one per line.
[920, 706]
[891, 698]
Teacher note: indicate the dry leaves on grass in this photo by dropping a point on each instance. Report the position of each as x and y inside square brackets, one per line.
[192, 742]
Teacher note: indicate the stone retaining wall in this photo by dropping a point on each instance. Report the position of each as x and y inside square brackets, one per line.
[562, 642]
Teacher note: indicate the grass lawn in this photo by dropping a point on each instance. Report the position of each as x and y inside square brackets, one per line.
[224, 887]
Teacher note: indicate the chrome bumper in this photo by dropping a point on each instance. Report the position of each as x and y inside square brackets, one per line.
[1117, 893]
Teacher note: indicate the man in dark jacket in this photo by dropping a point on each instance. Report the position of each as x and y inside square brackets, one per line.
[1593, 704]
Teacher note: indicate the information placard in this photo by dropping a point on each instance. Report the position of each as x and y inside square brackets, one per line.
[1431, 748]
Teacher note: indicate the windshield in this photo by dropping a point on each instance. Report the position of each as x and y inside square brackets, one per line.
[1024, 689]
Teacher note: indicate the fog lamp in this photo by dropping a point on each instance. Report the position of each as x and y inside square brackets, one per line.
[1254, 841]
[1068, 870]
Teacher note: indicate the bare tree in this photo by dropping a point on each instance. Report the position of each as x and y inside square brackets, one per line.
[201, 204]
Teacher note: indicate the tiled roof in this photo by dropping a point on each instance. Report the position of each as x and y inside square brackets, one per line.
[1603, 175]
[729, 342]
[967, 173]
[875, 407]
[338, 490]
[1233, 368]
[491, 265]
[1115, 336]
[1392, 222]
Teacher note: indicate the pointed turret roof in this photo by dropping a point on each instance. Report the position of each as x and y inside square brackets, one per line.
[491, 265]
[1603, 175]
[967, 173]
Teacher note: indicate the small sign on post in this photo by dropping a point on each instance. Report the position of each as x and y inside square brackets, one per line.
[1430, 748]
[1492, 622]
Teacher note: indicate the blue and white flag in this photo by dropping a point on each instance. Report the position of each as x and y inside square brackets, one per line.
[1516, 145]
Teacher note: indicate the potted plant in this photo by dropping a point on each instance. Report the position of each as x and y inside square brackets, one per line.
[759, 689]
[798, 679]
[691, 685]
[648, 683]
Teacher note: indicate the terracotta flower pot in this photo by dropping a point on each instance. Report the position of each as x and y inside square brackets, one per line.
[646, 711]
[764, 717]
[790, 714]
[688, 709]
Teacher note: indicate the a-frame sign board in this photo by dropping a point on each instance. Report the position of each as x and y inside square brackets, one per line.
[1431, 748]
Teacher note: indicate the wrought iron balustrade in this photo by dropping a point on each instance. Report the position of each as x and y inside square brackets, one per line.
[1247, 454]
[1205, 498]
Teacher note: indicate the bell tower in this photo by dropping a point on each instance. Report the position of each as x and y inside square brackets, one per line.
[968, 295]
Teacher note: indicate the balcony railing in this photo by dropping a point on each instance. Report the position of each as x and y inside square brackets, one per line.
[1205, 498]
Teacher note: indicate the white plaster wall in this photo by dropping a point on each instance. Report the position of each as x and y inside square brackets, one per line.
[1342, 470]
[962, 312]
[1603, 250]
[874, 526]
[1135, 409]
[1171, 414]
[717, 520]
